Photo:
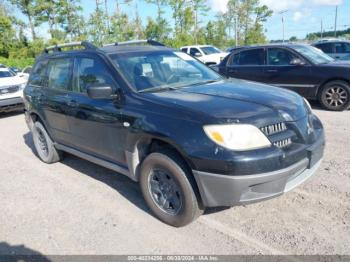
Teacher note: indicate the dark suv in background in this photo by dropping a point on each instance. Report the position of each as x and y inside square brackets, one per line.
[338, 49]
[191, 138]
[300, 68]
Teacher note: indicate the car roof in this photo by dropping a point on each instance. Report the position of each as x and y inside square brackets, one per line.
[4, 69]
[325, 41]
[195, 46]
[115, 49]
[281, 45]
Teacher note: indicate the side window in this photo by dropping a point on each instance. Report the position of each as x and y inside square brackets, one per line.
[346, 48]
[38, 76]
[252, 57]
[91, 71]
[193, 51]
[185, 50]
[234, 59]
[59, 73]
[326, 48]
[339, 48]
[278, 56]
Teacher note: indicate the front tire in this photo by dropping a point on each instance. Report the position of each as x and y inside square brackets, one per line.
[44, 145]
[168, 189]
[335, 96]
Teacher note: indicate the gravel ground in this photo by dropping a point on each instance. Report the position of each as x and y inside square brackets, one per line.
[76, 207]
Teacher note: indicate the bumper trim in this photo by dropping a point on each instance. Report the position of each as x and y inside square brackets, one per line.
[222, 190]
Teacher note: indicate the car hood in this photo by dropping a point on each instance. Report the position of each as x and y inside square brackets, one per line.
[238, 101]
[11, 81]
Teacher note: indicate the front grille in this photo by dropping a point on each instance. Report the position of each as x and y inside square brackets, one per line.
[274, 129]
[278, 134]
[283, 143]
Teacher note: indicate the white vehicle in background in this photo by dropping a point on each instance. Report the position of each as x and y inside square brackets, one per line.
[207, 54]
[11, 90]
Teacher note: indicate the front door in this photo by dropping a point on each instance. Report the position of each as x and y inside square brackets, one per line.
[95, 124]
[280, 71]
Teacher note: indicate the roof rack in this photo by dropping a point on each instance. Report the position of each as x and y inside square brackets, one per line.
[58, 48]
[137, 42]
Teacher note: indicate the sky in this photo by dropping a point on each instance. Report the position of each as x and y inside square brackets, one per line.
[302, 17]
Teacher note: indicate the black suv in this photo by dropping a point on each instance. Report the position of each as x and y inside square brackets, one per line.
[338, 49]
[301, 68]
[190, 138]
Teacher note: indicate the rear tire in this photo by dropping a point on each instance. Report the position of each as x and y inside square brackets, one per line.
[44, 145]
[335, 96]
[168, 189]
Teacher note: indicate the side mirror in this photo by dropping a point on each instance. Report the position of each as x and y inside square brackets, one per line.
[197, 54]
[297, 62]
[100, 92]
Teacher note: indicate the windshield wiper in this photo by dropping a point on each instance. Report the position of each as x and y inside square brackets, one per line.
[204, 83]
[157, 89]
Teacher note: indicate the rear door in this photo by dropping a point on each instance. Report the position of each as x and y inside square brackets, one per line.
[247, 64]
[280, 71]
[54, 97]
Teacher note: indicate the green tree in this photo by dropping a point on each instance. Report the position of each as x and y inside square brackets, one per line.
[199, 7]
[158, 29]
[27, 7]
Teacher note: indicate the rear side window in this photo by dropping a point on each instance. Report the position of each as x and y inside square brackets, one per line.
[326, 48]
[252, 57]
[185, 50]
[60, 73]
[38, 76]
[92, 71]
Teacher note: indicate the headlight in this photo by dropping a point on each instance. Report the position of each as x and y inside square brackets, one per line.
[239, 137]
[22, 86]
[308, 105]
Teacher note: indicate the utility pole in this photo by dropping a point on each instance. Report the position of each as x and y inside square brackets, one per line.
[321, 28]
[335, 22]
[236, 31]
[282, 14]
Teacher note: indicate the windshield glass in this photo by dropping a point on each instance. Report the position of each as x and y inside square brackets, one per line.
[163, 69]
[208, 50]
[315, 55]
[6, 74]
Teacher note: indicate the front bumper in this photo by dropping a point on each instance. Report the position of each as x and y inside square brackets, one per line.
[232, 190]
[11, 104]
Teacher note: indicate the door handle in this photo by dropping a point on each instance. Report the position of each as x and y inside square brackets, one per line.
[232, 71]
[73, 103]
[272, 70]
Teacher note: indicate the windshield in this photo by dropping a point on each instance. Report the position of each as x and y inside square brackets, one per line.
[148, 71]
[208, 50]
[315, 55]
[6, 74]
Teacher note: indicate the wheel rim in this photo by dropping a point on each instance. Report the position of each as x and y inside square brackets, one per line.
[42, 143]
[165, 191]
[336, 96]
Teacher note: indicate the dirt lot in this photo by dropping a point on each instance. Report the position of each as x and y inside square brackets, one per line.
[76, 207]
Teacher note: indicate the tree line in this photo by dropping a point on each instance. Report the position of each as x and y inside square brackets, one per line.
[242, 23]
